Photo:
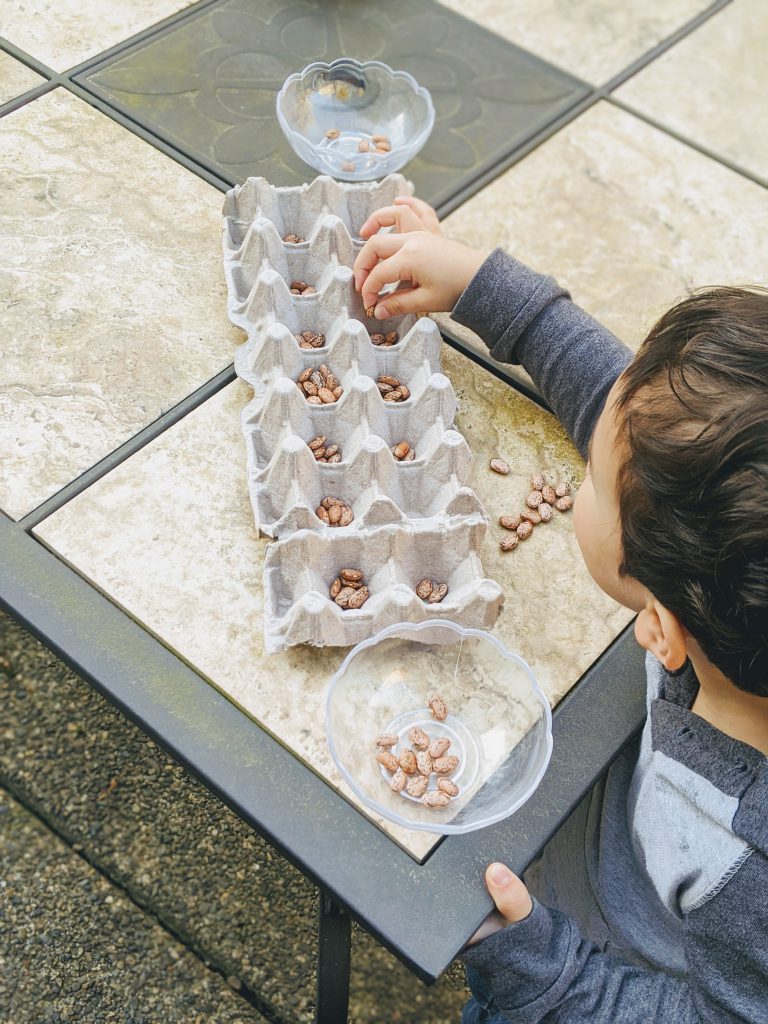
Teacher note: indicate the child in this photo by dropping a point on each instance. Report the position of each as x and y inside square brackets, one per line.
[665, 864]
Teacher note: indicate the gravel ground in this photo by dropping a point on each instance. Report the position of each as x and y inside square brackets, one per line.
[143, 821]
[74, 948]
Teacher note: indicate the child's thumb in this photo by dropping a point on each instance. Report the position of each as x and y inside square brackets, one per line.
[508, 893]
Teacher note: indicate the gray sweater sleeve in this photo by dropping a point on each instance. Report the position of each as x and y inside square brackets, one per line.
[527, 318]
[542, 971]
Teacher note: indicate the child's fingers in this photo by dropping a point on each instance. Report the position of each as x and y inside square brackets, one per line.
[379, 247]
[402, 218]
[404, 300]
[387, 272]
[508, 893]
[423, 211]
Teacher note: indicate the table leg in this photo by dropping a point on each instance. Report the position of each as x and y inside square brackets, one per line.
[333, 958]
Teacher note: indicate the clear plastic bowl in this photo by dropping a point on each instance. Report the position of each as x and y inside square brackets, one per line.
[499, 722]
[358, 100]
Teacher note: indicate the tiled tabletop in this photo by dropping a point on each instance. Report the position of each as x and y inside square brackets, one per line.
[593, 39]
[114, 292]
[192, 535]
[114, 306]
[710, 86]
[15, 78]
[63, 33]
[208, 85]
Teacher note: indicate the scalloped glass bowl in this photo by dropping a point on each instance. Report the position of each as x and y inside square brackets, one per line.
[499, 722]
[358, 100]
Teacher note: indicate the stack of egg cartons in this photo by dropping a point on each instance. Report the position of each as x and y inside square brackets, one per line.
[413, 519]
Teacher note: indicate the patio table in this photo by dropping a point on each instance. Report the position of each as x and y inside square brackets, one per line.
[422, 908]
[141, 567]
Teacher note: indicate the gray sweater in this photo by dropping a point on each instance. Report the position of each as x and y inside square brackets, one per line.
[657, 887]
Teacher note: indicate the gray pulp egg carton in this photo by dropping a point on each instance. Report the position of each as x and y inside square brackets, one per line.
[420, 513]
[298, 570]
[298, 209]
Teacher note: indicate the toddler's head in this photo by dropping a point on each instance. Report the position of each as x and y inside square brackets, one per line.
[673, 514]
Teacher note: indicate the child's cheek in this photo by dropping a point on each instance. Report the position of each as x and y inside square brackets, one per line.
[583, 498]
[590, 534]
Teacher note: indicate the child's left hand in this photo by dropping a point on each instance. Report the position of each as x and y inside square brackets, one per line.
[513, 902]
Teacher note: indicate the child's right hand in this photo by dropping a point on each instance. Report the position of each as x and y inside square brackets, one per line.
[407, 214]
[433, 272]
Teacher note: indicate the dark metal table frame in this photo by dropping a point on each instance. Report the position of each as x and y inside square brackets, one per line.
[423, 911]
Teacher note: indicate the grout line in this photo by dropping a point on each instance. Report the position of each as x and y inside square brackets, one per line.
[26, 97]
[665, 44]
[247, 994]
[477, 357]
[102, 56]
[691, 143]
[134, 444]
[472, 187]
[202, 170]
[159, 28]
[26, 58]
[162, 28]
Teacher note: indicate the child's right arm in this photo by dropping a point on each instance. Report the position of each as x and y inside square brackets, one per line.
[522, 316]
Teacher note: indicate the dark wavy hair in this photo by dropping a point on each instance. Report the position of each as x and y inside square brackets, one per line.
[693, 489]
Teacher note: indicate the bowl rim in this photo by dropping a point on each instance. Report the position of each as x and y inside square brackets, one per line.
[439, 827]
[362, 65]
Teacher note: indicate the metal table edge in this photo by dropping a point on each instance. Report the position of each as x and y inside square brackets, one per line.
[399, 900]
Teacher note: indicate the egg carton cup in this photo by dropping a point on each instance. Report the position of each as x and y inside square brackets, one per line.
[379, 490]
[283, 409]
[299, 570]
[348, 353]
[263, 248]
[297, 209]
[425, 421]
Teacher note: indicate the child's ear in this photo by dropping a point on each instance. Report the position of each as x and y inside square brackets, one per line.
[659, 631]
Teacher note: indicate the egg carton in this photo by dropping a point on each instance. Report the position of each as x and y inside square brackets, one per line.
[405, 504]
[348, 353]
[298, 572]
[260, 273]
[297, 209]
[379, 490]
[282, 410]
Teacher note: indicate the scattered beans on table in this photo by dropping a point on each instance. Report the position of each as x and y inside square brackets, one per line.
[539, 509]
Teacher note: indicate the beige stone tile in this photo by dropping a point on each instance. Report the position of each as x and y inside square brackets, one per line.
[111, 290]
[624, 216]
[16, 78]
[712, 86]
[593, 39]
[63, 33]
[169, 535]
